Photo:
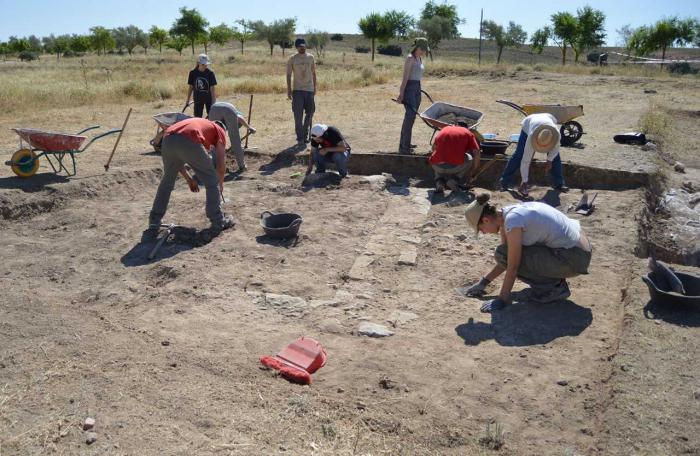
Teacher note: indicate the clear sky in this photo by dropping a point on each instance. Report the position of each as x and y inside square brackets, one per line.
[43, 17]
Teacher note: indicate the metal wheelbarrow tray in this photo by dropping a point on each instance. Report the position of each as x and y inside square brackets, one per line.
[54, 146]
[571, 131]
[440, 115]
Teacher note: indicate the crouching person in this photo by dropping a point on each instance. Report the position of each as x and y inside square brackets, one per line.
[539, 245]
[455, 155]
[229, 115]
[328, 147]
[188, 143]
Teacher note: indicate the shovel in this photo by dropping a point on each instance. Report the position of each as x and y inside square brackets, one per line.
[585, 207]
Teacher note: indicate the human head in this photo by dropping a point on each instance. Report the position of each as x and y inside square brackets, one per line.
[222, 124]
[300, 44]
[482, 216]
[203, 61]
[545, 138]
[317, 130]
[420, 47]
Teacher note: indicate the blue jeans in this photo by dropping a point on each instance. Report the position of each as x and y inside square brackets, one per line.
[513, 165]
[411, 100]
[340, 159]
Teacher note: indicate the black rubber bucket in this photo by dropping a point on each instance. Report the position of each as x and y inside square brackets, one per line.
[280, 226]
[662, 296]
[494, 146]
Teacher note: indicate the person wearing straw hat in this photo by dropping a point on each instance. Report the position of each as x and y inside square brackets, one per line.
[540, 245]
[539, 134]
[410, 92]
[301, 90]
[202, 83]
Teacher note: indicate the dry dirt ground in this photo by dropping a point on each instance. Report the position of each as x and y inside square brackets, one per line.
[164, 354]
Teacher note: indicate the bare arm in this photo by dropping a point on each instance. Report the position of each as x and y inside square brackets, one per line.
[313, 74]
[515, 250]
[189, 94]
[221, 163]
[406, 71]
[213, 94]
[289, 79]
[476, 154]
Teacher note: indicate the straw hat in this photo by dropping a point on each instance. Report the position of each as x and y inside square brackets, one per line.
[545, 138]
[474, 211]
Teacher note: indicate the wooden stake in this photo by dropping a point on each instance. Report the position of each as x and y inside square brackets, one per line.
[121, 132]
[250, 113]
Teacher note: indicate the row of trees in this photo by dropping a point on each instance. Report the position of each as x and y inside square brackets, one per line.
[665, 33]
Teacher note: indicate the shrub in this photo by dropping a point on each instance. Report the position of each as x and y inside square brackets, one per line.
[362, 49]
[27, 56]
[390, 49]
[367, 73]
[679, 68]
[336, 37]
[520, 68]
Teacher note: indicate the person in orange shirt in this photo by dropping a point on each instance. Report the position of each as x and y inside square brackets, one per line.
[188, 143]
[454, 149]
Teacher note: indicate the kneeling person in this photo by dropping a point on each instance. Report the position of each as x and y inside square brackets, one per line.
[328, 147]
[188, 143]
[229, 115]
[454, 149]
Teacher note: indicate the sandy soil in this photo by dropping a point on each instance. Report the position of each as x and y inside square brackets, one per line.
[164, 354]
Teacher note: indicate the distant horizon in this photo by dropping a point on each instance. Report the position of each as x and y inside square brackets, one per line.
[44, 17]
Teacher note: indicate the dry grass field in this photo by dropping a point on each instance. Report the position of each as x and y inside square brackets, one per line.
[164, 354]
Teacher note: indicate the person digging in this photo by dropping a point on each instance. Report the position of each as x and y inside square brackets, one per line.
[233, 120]
[539, 245]
[188, 143]
[328, 147]
[455, 153]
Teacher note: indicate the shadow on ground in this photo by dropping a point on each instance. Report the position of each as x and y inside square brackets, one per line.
[283, 159]
[525, 324]
[36, 183]
[682, 317]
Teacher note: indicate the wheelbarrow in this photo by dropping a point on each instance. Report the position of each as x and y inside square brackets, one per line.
[56, 147]
[571, 131]
[440, 115]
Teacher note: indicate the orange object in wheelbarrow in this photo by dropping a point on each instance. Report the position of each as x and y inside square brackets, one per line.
[298, 360]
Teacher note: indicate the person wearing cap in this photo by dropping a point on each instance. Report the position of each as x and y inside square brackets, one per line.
[539, 245]
[454, 149]
[233, 119]
[328, 146]
[539, 134]
[409, 92]
[188, 143]
[301, 90]
[202, 83]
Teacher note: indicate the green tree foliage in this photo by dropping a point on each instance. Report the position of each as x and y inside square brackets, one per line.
[539, 39]
[4, 50]
[157, 37]
[80, 44]
[514, 36]
[375, 27]
[400, 23]
[34, 44]
[221, 34]
[177, 43]
[439, 22]
[191, 25]
[245, 33]
[317, 40]
[129, 37]
[101, 39]
[590, 31]
[278, 32]
[18, 45]
[662, 35]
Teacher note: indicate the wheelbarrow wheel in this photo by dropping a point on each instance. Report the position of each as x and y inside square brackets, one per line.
[24, 163]
[571, 132]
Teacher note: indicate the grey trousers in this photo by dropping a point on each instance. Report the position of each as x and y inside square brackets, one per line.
[226, 112]
[411, 101]
[542, 267]
[177, 151]
[448, 171]
[303, 101]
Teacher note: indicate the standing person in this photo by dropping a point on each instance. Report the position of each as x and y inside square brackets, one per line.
[302, 92]
[232, 118]
[202, 82]
[539, 245]
[328, 146]
[188, 142]
[409, 93]
[539, 134]
[454, 149]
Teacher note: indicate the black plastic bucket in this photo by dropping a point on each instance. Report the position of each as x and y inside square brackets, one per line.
[280, 226]
[665, 297]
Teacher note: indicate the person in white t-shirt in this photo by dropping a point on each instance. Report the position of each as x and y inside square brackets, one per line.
[539, 245]
[539, 134]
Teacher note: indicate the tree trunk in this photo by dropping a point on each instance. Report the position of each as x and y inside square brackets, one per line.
[663, 55]
[145, 50]
[272, 47]
[372, 49]
[242, 46]
[206, 47]
[498, 58]
[160, 48]
[192, 44]
[563, 55]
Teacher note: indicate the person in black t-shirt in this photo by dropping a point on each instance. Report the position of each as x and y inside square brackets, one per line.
[202, 82]
[328, 146]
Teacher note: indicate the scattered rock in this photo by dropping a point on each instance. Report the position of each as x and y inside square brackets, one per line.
[461, 237]
[340, 390]
[259, 256]
[378, 181]
[90, 438]
[364, 296]
[165, 343]
[373, 330]
[360, 405]
[286, 305]
[387, 383]
[649, 91]
[562, 382]
[343, 297]
[679, 167]
[321, 179]
[690, 187]
[408, 257]
[399, 317]
[650, 146]
[88, 424]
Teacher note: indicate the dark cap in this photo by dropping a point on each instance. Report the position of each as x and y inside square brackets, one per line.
[300, 42]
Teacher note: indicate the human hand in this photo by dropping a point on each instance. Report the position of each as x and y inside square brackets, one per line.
[547, 166]
[493, 304]
[289, 94]
[477, 289]
[399, 99]
[194, 187]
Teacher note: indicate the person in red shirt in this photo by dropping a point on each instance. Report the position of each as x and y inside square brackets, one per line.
[454, 150]
[188, 142]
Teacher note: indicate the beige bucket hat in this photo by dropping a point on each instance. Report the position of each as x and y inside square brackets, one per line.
[545, 138]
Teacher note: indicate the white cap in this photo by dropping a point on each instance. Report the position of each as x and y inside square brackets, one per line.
[318, 129]
[203, 59]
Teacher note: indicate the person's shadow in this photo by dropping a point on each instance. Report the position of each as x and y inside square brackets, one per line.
[524, 324]
[283, 159]
[36, 183]
[180, 240]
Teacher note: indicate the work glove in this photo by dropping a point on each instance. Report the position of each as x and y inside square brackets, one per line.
[493, 304]
[476, 290]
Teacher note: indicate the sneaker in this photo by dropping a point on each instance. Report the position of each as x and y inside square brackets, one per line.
[242, 169]
[226, 223]
[453, 185]
[440, 186]
[412, 146]
[562, 188]
[558, 293]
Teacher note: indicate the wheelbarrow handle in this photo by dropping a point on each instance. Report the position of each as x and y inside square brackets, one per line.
[187, 106]
[87, 129]
[515, 106]
[427, 95]
[107, 133]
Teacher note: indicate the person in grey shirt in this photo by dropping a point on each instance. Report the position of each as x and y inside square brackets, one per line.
[410, 90]
[229, 115]
[302, 92]
[539, 245]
